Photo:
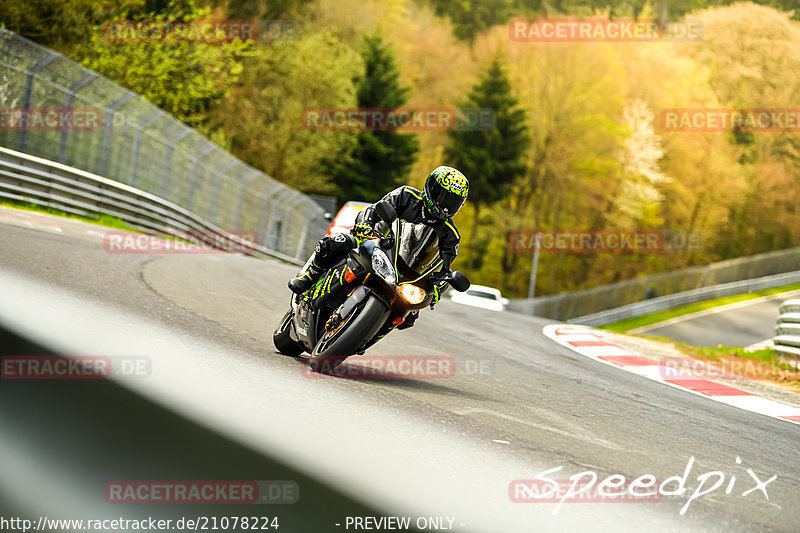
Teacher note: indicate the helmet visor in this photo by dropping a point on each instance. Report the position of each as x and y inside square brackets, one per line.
[446, 203]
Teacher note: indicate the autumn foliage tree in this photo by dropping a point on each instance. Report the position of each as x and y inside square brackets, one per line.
[490, 158]
[578, 142]
[381, 157]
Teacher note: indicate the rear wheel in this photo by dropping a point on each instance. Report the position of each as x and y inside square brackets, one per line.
[283, 341]
[345, 338]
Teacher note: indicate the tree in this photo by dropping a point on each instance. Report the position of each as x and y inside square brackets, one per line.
[263, 117]
[59, 24]
[184, 78]
[380, 158]
[261, 9]
[471, 17]
[638, 198]
[491, 159]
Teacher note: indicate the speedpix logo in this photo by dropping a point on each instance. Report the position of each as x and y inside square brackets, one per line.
[584, 486]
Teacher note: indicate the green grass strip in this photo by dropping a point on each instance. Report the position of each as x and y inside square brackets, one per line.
[92, 218]
[632, 323]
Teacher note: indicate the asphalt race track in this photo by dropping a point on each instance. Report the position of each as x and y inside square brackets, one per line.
[518, 404]
[740, 324]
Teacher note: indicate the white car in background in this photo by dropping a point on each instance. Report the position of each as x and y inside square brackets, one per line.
[481, 296]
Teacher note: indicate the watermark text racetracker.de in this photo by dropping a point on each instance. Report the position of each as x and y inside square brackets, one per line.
[202, 492]
[179, 242]
[730, 369]
[402, 118]
[725, 119]
[636, 241]
[390, 367]
[195, 523]
[623, 30]
[73, 367]
[172, 31]
[587, 487]
[50, 118]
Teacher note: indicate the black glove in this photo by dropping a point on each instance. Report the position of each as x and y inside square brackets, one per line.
[440, 277]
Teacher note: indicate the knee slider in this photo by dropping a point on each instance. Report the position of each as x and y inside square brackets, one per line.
[333, 246]
[323, 247]
[343, 242]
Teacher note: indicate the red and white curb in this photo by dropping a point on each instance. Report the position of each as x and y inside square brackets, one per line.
[590, 343]
[763, 345]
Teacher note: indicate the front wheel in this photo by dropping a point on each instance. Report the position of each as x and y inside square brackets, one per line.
[342, 341]
[283, 341]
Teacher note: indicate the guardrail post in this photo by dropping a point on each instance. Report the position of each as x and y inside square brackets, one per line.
[193, 174]
[787, 331]
[271, 221]
[108, 124]
[241, 197]
[168, 160]
[218, 188]
[262, 226]
[138, 145]
[287, 208]
[26, 100]
[303, 234]
[73, 89]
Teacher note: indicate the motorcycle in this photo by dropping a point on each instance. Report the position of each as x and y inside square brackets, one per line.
[366, 295]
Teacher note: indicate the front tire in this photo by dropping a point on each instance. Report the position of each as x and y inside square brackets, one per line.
[283, 341]
[359, 327]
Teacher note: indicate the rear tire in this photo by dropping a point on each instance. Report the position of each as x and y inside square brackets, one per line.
[360, 327]
[283, 341]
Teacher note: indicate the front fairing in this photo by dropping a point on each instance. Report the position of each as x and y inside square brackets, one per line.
[414, 255]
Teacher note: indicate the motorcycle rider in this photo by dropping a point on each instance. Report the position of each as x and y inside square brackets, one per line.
[443, 194]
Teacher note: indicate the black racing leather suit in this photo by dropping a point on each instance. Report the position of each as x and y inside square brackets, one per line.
[410, 207]
[408, 203]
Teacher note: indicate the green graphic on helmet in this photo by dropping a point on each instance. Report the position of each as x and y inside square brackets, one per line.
[445, 191]
[454, 181]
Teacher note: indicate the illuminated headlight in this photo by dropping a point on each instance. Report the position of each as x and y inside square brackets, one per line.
[412, 294]
[383, 267]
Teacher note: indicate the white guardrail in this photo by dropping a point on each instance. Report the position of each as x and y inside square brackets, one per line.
[26, 178]
[672, 301]
[787, 331]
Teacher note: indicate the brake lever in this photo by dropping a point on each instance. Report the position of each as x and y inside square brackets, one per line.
[434, 279]
[387, 242]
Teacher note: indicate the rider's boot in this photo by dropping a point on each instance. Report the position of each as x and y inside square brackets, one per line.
[327, 252]
[306, 279]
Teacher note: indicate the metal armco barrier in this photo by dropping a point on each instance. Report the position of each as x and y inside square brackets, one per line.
[680, 299]
[25, 178]
[111, 132]
[681, 286]
[787, 331]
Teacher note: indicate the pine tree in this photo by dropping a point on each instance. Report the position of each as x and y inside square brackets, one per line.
[381, 158]
[494, 158]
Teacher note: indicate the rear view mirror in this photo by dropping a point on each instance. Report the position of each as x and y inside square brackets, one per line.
[460, 282]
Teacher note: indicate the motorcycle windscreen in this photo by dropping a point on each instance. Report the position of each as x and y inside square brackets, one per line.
[419, 246]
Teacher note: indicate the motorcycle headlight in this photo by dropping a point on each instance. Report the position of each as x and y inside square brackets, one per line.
[383, 267]
[412, 294]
